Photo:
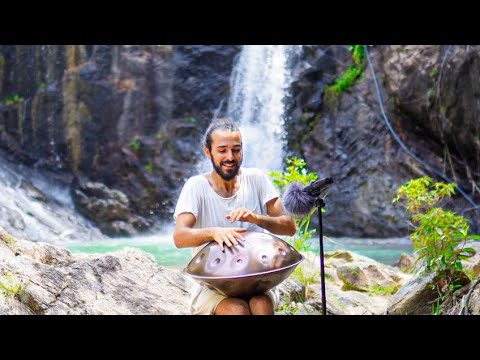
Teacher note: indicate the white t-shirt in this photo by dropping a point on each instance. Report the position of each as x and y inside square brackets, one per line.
[209, 208]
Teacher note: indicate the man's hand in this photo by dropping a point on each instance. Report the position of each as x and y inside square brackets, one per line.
[243, 215]
[228, 236]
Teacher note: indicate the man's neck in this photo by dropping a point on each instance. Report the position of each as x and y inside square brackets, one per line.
[225, 188]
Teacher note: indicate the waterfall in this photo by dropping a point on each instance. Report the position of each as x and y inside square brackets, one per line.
[259, 85]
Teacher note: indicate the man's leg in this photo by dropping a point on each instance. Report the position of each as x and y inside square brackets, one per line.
[232, 306]
[261, 305]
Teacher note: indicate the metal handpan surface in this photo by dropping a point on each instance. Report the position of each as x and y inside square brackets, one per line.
[252, 267]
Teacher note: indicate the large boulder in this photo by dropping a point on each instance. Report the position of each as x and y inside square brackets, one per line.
[37, 278]
[348, 292]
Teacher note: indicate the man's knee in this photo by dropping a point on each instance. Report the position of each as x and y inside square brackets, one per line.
[232, 306]
[261, 305]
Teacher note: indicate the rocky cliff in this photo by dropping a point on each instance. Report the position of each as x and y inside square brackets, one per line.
[431, 99]
[123, 124]
[119, 122]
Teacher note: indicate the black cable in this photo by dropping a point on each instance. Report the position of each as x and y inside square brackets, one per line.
[400, 142]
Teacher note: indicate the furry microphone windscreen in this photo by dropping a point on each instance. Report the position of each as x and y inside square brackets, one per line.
[296, 201]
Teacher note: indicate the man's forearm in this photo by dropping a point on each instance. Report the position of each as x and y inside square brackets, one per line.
[279, 225]
[187, 237]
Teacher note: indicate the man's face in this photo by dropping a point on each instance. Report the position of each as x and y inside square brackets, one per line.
[226, 154]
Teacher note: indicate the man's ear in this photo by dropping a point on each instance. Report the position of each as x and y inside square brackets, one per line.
[207, 152]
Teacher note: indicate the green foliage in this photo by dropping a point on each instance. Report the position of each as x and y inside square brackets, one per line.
[305, 277]
[353, 73]
[149, 167]
[378, 289]
[329, 277]
[161, 136]
[470, 273]
[394, 101]
[297, 172]
[292, 308]
[421, 194]
[440, 235]
[301, 240]
[10, 286]
[436, 305]
[135, 144]
[347, 79]
[430, 95]
[433, 72]
[288, 309]
[358, 54]
[9, 240]
[13, 99]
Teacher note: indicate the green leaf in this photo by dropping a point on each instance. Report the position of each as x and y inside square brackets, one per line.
[474, 237]
[469, 250]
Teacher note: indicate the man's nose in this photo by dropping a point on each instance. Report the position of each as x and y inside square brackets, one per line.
[229, 155]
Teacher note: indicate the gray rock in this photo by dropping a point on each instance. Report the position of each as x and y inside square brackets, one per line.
[414, 298]
[49, 280]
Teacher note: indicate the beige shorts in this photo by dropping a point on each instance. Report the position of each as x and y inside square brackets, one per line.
[204, 300]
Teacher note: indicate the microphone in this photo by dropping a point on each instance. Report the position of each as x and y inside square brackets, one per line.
[299, 200]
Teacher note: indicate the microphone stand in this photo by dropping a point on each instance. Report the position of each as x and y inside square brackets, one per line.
[319, 203]
[315, 190]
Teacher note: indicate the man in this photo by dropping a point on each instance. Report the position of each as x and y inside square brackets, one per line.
[220, 206]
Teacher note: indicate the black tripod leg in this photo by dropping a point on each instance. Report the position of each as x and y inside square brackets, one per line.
[322, 264]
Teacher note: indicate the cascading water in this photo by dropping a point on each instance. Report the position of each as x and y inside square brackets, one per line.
[35, 207]
[259, 85]
[38, 208]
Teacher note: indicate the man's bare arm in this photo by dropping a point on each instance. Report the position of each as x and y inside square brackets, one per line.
[277, 221]
[185, 236]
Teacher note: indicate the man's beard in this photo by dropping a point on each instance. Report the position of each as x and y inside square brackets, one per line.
[226, 176]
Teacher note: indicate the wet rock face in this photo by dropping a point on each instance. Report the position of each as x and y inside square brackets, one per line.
[129, 116]
[108, 208]
[439, 84]
[349, 142]
[429, 96]
[434, 103]
[202, 74]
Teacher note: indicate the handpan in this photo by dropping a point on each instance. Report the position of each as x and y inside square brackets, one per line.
[252, 267]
